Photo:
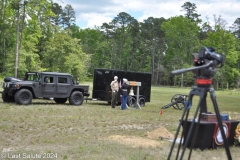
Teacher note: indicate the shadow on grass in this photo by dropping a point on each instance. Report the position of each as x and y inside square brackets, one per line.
[42, 101]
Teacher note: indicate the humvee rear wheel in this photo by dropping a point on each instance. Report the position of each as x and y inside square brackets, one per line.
[60, 100]
[6, 97]
[23, 96]
[76, 98]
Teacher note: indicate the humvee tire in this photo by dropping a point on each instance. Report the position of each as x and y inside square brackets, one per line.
[23, 96]
[76, 98]
[6, 97]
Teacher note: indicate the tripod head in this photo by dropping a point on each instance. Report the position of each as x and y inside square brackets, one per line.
[205, 63]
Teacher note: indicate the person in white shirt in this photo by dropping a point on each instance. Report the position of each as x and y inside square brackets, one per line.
[115, 87]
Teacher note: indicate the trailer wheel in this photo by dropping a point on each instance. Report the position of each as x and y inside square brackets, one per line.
[23, 96]
[6, 97]
[76, 98]
[141, 102]
[60, 100]
[131, 101]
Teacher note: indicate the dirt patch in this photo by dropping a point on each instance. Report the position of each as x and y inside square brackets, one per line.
[133, 141]
[161, 133]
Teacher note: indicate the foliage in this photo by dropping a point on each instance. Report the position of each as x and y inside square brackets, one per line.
[225, 42]
[181, 36]
[62, 53]
[236, 28]
[44, 36]
[191, 13]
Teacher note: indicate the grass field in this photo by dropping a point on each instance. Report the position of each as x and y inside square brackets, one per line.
[94, 131]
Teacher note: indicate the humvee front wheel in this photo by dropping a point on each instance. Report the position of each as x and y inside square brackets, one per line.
[60, 100]
[76, 98]
[23, 96]
[6, 97]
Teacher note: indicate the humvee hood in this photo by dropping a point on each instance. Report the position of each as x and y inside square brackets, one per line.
[11, 79]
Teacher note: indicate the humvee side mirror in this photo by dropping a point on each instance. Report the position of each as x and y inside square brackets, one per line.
[77, 82]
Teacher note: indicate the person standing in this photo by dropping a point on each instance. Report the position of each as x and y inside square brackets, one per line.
[115, 87]
[124, 93]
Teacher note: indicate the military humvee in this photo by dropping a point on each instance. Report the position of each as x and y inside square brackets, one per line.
[59, 86]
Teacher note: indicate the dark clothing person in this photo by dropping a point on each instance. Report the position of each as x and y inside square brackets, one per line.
[124, 93]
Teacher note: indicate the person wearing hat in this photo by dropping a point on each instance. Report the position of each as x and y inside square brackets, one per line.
[124, 93]
[115, 87]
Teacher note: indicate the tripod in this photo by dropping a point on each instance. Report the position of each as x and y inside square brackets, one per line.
[201, 90]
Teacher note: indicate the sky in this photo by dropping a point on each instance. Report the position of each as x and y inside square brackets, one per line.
[91, 13]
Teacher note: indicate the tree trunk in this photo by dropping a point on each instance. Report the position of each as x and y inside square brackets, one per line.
[153, 60]
[2, 35]
[157, 73]
[182, 81]
[22, 26]
[4, 54]
[17, 38]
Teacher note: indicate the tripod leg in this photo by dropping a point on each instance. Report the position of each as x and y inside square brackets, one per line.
[202, 94]
[184, 126]
[190, 132]
[203, 108]
[188, 105]
[194, 136]
[213, 97]
[186, 110]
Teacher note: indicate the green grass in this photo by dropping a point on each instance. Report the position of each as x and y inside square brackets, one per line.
[89, 131]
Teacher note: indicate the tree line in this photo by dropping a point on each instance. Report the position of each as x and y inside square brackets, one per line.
[40, 35]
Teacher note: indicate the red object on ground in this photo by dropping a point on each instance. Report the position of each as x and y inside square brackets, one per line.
[160, 112]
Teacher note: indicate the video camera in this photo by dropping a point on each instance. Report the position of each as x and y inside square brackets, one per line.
[205, 63]
[207, 54]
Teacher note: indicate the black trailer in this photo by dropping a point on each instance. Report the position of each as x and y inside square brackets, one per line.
[102, 89]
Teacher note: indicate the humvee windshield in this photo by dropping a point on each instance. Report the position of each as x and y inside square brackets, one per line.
[31, 76]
